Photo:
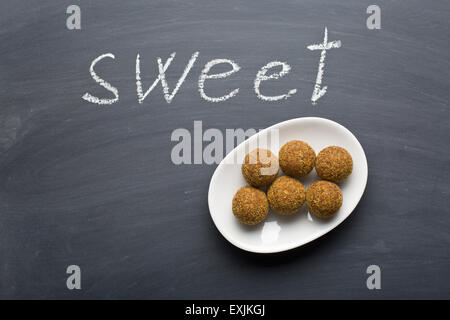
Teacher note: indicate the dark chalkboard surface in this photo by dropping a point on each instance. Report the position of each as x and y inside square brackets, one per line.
[94, 185]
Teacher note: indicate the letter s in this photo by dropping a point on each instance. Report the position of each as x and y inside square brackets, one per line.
[103, 83]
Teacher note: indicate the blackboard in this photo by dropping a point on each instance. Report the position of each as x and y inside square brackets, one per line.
[94, 185]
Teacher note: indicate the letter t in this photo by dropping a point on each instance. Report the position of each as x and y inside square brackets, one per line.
[318, 90]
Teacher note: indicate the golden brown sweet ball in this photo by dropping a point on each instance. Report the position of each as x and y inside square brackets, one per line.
[334, 164]
[324, 198]
[260, 167]
[250, 205]
[296, 158]
[286, 195]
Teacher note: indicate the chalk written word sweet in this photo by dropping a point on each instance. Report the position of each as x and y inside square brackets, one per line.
[264, 74]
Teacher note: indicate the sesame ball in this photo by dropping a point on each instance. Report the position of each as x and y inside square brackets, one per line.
[324, 198]
[250, 205]
[296, 158]
[260, 167]
[334, 164]
[286, 195]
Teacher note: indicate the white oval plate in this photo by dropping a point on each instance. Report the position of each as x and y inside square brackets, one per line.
[280, 233]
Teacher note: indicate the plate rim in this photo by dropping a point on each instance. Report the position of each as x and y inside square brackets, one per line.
[288, 246]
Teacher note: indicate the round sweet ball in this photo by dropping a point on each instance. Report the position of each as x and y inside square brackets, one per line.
[286, 195]
[296, 158]
[334, 164]
[250, 205]
[260, 167]
[324, 198]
